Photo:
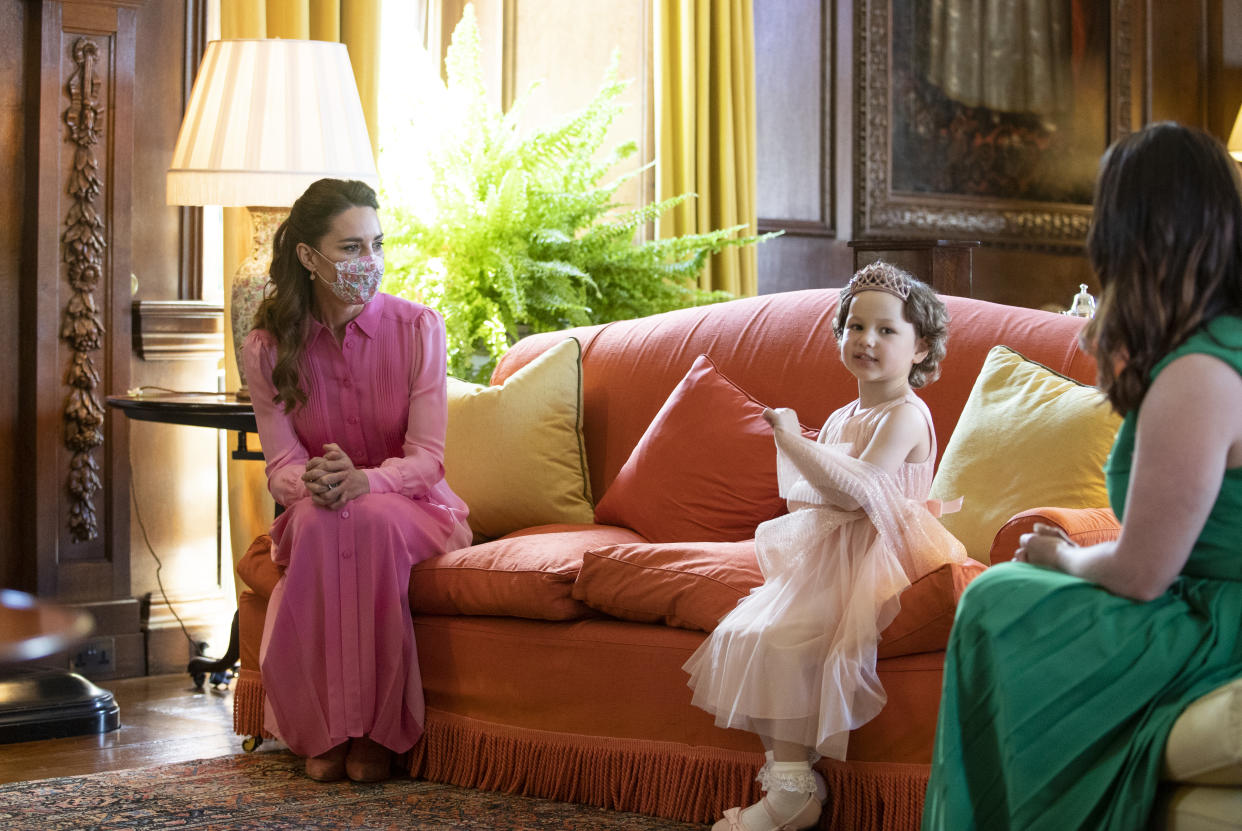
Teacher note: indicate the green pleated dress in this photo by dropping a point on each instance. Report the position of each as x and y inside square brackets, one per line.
[1059, 696]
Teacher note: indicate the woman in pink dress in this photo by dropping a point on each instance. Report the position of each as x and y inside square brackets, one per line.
[349, 394]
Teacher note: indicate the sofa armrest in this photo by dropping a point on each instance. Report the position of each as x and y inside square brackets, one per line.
[1085, 526]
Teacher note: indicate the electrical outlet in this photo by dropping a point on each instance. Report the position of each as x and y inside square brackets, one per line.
[96, 656]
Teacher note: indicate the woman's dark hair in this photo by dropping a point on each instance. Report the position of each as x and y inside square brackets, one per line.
[287, 300]
[922, 308]
[1166, 244]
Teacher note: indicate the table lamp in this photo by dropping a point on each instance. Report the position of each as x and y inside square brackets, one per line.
[1235, 137]
[266, 118]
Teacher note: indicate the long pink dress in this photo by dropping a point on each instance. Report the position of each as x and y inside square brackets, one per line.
[795, 659]
[338, 657]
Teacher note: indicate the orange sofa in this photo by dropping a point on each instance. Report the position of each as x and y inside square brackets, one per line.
[582, 697]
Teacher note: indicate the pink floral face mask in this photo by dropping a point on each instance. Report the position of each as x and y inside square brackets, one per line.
[357, 280]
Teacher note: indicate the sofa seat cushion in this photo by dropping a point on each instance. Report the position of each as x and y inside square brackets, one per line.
[1205, 744]
[705, 469]
[1027, 436]
[694, 585]
[529, 573]
[514, 452]
[624, 680]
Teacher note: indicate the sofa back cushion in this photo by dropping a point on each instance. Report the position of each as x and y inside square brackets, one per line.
[675, 488]
[781, 350]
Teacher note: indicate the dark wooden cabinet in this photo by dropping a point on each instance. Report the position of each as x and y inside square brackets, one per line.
[945, 265]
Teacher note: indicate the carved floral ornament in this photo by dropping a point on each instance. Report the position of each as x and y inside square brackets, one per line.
[81, 327]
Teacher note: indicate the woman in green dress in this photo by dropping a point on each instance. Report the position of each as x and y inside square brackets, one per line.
[1067, 668]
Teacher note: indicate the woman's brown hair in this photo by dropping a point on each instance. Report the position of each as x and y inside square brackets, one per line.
[287, 300]
[1166, 244]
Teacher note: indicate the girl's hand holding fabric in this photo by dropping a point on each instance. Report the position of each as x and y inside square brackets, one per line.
[1043, 546]
[332, 478]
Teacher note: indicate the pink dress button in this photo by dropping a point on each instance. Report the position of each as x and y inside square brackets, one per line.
[346, 554]
[344, 514]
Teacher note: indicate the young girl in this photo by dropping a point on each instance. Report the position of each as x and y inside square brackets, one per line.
[795, 661]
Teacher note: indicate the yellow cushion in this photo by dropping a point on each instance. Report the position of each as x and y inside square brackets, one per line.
[1205, 744]
[1197, 808]
[1026, 437]
[515, 453]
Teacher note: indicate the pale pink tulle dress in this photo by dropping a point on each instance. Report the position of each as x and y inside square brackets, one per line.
[338, 657]
[795, 659]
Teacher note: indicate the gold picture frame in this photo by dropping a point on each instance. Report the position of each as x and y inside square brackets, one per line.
[1021, 210]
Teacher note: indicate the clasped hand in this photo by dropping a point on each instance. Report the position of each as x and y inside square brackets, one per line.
[332, 478]
[1043, 546]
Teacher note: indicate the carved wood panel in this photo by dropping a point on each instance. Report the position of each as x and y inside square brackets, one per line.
[76, 304]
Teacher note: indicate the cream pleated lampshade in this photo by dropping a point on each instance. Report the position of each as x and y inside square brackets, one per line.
[267, 118]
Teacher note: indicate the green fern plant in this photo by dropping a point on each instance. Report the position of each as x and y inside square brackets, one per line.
[522, 232]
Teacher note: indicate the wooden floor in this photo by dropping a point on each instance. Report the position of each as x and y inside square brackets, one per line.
[163, 719]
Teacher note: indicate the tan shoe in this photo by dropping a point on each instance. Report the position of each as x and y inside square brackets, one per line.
[805, 817]
[327, 767]
[368, 761]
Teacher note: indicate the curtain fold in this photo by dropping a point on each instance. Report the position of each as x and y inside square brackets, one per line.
[356, 23]
[706, 110]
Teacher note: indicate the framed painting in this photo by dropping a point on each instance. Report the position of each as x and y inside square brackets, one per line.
[986, 119]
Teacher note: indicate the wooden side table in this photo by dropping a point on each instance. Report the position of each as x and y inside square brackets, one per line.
[220, 411]
[39, 703]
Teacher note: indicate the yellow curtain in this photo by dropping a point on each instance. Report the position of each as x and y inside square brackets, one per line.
[356, 23]
[706, 93]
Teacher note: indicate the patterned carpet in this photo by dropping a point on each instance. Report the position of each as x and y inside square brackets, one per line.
[269, 791]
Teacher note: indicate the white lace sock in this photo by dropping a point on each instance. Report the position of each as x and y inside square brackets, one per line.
[786, 785]
[821, 787]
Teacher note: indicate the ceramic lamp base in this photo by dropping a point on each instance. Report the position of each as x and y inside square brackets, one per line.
[248, 282]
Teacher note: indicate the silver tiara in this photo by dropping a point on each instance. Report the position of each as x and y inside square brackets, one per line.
[878, 277]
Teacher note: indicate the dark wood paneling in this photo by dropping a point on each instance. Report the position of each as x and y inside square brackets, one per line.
[178, 346]
[160, 66]
[189, 218]
[1035, 279]
[791, 263]
[1224, 46]
[75, 324]
[12, 172]
[1176, 35]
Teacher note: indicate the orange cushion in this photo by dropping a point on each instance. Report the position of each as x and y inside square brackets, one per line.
[256, 568]
[705, 470]
[694, 585]
[689, 585]
[529, 573]
[927, 609]
[1085, 526]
